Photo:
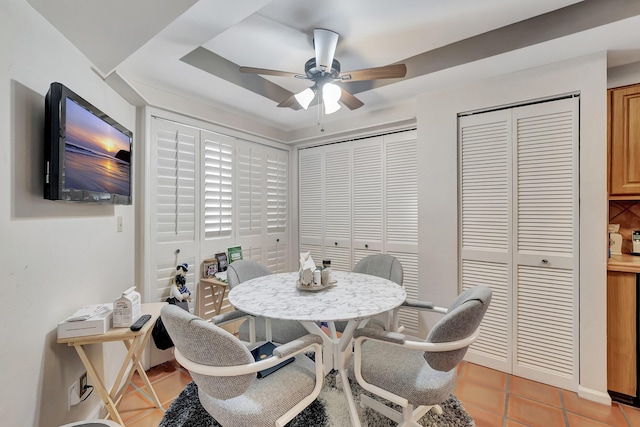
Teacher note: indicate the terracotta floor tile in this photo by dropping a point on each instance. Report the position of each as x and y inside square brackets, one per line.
[133, 405]
[576, 420]
[485, 376]
[488, 398]
[535, 391]
[482, 417]
[511, 423]
[610, 414]
[632, 413]
[169, 387]
[534, 414]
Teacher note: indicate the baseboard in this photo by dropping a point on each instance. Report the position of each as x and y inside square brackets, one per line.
[594, 395]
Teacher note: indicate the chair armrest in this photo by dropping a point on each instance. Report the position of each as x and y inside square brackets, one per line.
[418, 304]
[410, 342]
[250, 368]
[287, 349]
[229, 316]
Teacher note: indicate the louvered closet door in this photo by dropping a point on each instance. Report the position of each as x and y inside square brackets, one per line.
[337, 206]
[485, 204]
[250, 170]
[368, 197]
[172, 210]
[401, 207]
[276, 202]
[311, 206]
[546, 229]
[519, 227]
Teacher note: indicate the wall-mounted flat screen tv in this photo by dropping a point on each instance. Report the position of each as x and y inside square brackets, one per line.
[87, 154]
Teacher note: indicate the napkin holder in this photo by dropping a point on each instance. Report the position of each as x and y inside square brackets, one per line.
[307, 267]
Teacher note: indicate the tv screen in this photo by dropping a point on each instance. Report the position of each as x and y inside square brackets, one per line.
[87, 153]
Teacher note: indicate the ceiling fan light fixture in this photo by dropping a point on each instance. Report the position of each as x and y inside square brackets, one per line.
[330, 108]
[305, 97]
[331, 93]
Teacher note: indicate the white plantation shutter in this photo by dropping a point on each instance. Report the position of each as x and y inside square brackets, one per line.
[518, 231]
[218, 185]
[277, 177]
[249, 188]
[175, 183]
[172, 207]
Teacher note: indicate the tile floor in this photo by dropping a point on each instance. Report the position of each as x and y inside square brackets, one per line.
[493, 398]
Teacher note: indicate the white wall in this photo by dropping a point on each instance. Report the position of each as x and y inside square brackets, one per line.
[54, 257]
[438, 227]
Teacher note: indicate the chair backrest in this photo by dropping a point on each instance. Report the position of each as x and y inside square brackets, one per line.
[462, 319]
[244, 269]
[207, 344]
[381, 265]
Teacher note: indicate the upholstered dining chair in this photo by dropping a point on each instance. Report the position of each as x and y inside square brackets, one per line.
[281, 330]
[421, 373]
[385, 266]
[224, 370]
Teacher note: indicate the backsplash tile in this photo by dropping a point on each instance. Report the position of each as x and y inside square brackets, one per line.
[627, 214]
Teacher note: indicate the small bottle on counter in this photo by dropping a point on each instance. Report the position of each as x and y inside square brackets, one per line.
[317, 277]
[326, 272]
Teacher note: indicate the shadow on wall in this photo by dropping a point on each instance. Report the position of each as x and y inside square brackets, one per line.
[27, 147]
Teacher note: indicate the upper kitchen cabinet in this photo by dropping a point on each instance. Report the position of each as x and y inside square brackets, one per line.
[624, 142]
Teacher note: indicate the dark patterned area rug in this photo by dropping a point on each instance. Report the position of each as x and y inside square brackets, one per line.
[329, 410]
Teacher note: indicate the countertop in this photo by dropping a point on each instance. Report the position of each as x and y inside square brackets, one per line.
[625, 263]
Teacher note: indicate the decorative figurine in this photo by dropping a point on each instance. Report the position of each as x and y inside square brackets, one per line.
[180, 290]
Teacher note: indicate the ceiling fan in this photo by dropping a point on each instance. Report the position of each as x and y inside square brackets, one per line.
[324, 71]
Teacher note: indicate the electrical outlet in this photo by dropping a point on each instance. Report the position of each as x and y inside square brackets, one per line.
[119, 224]
[73, 397]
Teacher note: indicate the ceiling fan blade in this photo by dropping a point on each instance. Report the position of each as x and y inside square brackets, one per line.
[349, 100]
[252, 70]
[290, 102]
[394, 71]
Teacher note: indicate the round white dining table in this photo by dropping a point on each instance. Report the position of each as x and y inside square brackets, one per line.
[354, 298]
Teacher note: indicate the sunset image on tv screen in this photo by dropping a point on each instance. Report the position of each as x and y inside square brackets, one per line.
[97, 155]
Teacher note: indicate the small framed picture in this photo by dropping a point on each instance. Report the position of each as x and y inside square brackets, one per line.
[209, 267]
[223, 263]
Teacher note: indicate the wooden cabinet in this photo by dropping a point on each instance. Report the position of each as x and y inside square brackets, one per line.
[624, 142]
[621, 333]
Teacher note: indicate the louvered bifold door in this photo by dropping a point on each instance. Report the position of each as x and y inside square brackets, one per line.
[337, 206]
[546, 236]
[401, 213]
[485, 205]
[368, 197]
[276, 195]
[311, 205]
[172, 210]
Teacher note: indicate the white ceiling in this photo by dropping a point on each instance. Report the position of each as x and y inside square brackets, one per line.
[193, 47]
